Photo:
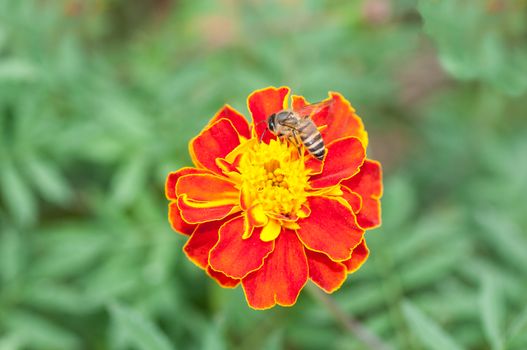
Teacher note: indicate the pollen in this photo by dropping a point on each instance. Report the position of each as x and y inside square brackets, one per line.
[274, 176]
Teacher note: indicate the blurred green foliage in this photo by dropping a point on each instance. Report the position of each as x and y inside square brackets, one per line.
[98, 100]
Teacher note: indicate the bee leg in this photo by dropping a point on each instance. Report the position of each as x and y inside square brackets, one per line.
[297, 143]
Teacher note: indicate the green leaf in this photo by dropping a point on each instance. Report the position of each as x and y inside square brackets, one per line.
[11, 254]
[3, 37]
[129, 180]
[55, 297]
[505, 237]
[518, 326]
[213, 338]
[274, 341]
[17, 70]
[399, 201]
[12, 341]
[312, 337]
[477, 47]
[48, 180]
[462, 301]
[361, 298]
[512, 286]
[16, 194]
[118, 276]
[39, 332]
[69, 249]
[432, 267]
[134, 329]
[429, 333]
[491, 306]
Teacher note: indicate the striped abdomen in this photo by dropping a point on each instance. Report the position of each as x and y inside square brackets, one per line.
[311, 139]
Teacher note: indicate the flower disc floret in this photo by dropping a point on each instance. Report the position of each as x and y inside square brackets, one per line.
[274, 176]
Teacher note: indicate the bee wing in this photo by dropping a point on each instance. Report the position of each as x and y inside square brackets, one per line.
[310, 109]
[290, 122]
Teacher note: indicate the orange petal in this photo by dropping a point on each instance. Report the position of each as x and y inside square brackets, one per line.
[324, 272]
[358, 257]
[341, 121]
[177, 222]
[298, 102]
[207, 188]
[227, 167]
[245, 198]
[282, 276]
[205, 197]
[201, 242]
[262, 103]
[343, 160]
[195, 212]
[368, 184]
[291, 225]
[237, 119]
[256, 216]
[353, 199]
[173, 177]
[216, 141]
[247, 228]
[235, 256]
[304, 211]
[222, 279]
[330, 229]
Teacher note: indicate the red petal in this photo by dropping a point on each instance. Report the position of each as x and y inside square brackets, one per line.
[262, 103]
[331, 229]
[205, 197]
[170, 185]
[343, 159]
[341, 121]
[237, 119]
[326, 273]
[368, 184]
[195, 212]
[207, 188]
[358, 257]
[298, 102]
[216, 141]
[354, 200]
[282, 276]
[177, 222]
[316, 166]
[228, 167]
[222, 279]
[236, 257]
[201, 242]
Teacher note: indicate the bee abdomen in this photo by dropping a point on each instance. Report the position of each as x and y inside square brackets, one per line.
[313, 141]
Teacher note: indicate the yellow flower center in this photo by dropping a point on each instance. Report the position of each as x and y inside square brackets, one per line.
[273, 176]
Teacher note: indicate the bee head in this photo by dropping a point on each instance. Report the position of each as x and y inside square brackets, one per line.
[271, 122]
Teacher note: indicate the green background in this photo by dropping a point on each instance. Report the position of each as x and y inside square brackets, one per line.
[98, 100]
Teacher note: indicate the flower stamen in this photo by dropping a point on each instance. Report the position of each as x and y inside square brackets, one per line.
[274, 177]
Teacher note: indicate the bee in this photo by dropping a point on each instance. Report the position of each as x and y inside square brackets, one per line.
[298, 127]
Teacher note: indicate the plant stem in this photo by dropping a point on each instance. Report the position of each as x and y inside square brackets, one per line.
[349, 323]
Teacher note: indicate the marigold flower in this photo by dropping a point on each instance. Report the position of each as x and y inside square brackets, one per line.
[261, 214]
